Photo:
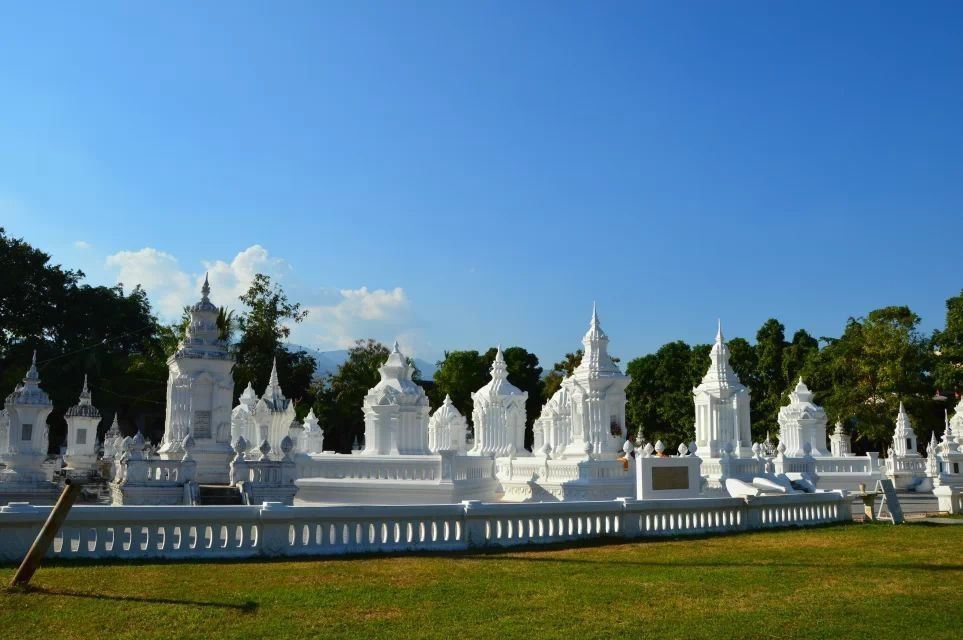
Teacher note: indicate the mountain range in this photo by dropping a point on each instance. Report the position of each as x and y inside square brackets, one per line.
[328, 361]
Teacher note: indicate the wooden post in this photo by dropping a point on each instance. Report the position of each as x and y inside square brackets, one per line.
[31, 561]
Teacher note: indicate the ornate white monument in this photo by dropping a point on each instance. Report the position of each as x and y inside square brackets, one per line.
[82, 421]
[579, 445]
[24, 448]
[200, 387]
[802, 422]
[498, 414]
[840, 443]
[722, 407]
[395, 412]
[447, 428]
[904, 464]
[947, 457]
[274, 414]
[396, 465]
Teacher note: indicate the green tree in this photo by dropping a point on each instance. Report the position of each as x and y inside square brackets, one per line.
[263, 328]
[948, 350]
[340, 399]
[560, 371]
[459, 374]
[863, 375]
[659, 398]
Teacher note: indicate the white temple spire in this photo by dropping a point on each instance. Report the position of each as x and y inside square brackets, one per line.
[206, 289]
[32, 372]
[719, 337]
[499, 368]
[274, 374]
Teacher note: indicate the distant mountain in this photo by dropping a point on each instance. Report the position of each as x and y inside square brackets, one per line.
[329, 361]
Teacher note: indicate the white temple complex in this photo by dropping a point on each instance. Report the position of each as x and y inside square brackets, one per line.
[578, 437]
[396, 465]
[200, 387]
[82, 421]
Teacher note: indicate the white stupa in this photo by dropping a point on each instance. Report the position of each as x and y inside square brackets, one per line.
[24, 448]
[721, 407]
[200, 387]
[579, 435]
[801, 423]
[447, 428]
[396, 411]
[904, 464]
[82, 421]
[499, 414]
[274, 415]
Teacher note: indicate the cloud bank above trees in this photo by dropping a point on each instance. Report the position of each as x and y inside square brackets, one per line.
[336, 317]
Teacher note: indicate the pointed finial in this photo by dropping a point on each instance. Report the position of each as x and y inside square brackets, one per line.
[274, 373]
[719, 337]
[447, 399]
[396, 348]
[595, 314]
[206, 289]
[499, 356]
[85, 390]
[32, 372]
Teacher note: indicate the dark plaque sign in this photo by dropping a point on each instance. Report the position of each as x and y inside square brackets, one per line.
[202, 424]
[670, 478]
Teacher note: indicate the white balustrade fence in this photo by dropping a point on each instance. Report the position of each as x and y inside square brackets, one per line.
[274, 529]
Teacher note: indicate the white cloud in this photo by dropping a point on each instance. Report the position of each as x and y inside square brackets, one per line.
[383, 314]
[230, 280]
[82, 244]
[159, 273]
[170, 288]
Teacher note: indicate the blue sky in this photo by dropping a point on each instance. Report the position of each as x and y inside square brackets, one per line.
[458, 174]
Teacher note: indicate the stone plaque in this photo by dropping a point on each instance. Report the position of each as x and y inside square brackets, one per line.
[202, 424]
[670, 478]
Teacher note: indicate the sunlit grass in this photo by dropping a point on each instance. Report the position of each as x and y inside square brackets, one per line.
[876, 581]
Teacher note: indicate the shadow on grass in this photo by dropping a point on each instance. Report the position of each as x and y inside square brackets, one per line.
[248, 606]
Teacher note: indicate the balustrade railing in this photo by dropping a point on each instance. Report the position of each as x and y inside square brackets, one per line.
[274, 529]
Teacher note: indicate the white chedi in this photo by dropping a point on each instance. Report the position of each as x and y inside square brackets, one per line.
[113, 441]
[802, 422]
[274, 414]
[722, 407]
[447, 428]
[82, 421]
[313, 436]
[498, 414]
[596, 390]
[585, 418]
[243, 424]
[553, 428]
[396, 411]
[904, 437]
[26, 433]
[200, 389]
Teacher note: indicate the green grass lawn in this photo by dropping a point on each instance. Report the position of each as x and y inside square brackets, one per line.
[856, 581]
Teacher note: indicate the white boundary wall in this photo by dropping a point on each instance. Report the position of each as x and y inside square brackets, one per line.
[274, 529]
